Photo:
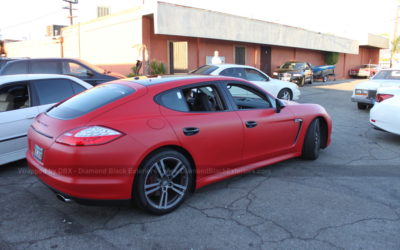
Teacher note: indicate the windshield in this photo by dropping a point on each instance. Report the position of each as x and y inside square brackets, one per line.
[89, 100]
[204, 70]
[292, 65]
[387, 75]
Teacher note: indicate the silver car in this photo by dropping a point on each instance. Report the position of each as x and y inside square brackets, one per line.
[23, 97]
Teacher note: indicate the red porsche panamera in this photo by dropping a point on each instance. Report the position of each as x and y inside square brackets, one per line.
[153, 141]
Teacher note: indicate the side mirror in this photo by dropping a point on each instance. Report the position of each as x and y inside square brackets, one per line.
[89, 73]
[279, 105]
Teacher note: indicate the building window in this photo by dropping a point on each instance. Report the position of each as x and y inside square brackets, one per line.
[103, 11]
[240, 55]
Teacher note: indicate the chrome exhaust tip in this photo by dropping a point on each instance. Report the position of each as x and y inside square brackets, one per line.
[63, 199]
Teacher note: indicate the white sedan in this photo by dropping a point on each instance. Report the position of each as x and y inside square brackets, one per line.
[385, 113]
[364, 93]
[23, 97]
[281, 89]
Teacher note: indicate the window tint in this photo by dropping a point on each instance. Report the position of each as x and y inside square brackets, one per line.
[203, 99]
[234, 72]
[89, 100]
[254, 75]
[248, 98]
[77, 87]
[74, 69]
[16, 68]
[174, 100]
[52, 90]
[205, 70]
[45, 67]
[14, 96]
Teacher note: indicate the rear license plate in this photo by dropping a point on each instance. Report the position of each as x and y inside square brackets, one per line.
[38, 153]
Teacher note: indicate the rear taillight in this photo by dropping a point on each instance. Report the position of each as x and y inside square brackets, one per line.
[89, 136]
[382, 97]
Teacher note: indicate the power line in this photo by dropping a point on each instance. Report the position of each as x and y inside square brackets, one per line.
[31, 20]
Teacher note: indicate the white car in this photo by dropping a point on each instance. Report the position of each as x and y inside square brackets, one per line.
[385, 113]
[23, 97]
[364, 93]
[281, 89]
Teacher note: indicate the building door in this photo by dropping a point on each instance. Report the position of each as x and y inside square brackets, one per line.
[178, 57]
[266, 59]
[240, 55]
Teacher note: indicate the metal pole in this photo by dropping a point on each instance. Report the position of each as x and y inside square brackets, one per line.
[396, 23]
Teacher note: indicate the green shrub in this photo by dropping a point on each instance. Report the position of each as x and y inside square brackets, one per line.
[157, 68]
[331, 58]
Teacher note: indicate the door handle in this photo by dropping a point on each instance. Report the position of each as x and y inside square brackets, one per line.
[191, 131]
[251, 124]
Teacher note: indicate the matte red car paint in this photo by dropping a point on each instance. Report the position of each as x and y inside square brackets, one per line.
[223, 148]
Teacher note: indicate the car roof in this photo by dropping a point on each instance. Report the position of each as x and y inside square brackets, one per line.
[44, 58]
[27, 77]
[175, 79]
[230, 65]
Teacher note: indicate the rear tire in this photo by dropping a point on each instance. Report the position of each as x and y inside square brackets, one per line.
[361, 106]
[312, 141]
[324, 78]
[285, 94]
[163, 182]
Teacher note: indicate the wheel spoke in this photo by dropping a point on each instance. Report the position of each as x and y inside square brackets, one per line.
[150, 191]
[178, 169]
[160, 168]
[179, 189]
[164, 199]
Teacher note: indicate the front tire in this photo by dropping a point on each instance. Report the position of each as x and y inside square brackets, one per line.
[312, 141]
[361, 106]
[285, 94]
[163, 182]
[302, 81]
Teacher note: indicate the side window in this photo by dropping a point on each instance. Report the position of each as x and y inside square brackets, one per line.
[196, 99]
[52, 90]
[74, 69]
[45, 67]
[248, 98]
[254, 75]
[233, 72]
[14, 96]
[16, 68]
[77, 87]
[203, 99]
[174, 99]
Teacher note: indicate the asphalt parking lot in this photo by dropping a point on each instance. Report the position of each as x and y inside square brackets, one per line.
[347, 199]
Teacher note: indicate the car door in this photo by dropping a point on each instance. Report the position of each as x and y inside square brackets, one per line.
[308, 73]
[16, 114]
[267, 133]
[47, 92]
[205, 126]
[262, 80]
[82, 72]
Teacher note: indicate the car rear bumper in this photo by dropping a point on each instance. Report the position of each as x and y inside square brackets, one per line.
[84, 173]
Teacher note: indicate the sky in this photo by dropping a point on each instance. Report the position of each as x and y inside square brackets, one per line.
[346, 18]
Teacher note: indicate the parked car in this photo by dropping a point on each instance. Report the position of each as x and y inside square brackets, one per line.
[155, 140]
[280, 89]
[66, 66]
[365, 70]
[293, 71]
[385, 113]
[364, 93]
[22, 97]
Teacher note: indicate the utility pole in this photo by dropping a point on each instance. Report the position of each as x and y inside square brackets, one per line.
[394, 42]
[69, 7]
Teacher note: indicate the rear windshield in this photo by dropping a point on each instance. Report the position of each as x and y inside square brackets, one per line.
[205, 70]
[387, 75]
[89, 100]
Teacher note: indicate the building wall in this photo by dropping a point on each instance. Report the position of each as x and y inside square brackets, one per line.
[34, 49]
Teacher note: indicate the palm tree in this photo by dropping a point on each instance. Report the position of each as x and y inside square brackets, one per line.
[395, 49]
